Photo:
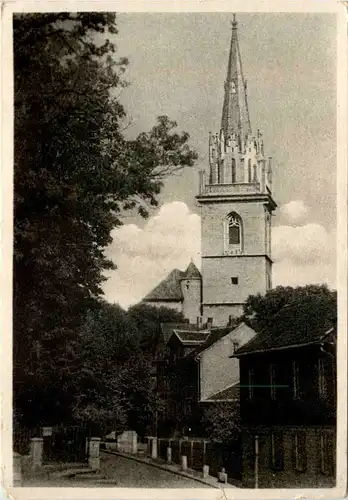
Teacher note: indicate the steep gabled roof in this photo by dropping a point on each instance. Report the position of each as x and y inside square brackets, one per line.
[168, 329]
[230, 394]
[168, 290]
[217, 334]
[192, 337]
[302, 323]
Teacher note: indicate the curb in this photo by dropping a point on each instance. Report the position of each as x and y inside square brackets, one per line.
[165, 468]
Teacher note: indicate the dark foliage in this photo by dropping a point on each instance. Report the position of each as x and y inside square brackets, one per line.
[74, 175]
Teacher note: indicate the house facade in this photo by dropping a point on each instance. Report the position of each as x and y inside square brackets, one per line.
[288, 402]
[196, 370]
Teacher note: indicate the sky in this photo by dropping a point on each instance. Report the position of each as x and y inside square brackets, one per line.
[177, 67]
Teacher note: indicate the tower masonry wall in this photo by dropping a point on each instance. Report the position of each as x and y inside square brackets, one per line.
[218, 286]
[213, 217]
[221, 313]
[192, 293]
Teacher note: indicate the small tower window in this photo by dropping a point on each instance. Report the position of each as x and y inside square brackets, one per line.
[234, 280]
[249, 170]
[233, 170]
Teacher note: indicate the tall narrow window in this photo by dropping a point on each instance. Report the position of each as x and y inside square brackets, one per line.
[249, 170]
[255, 173]
[233, 234]
[299, 451]
[277, 451]
[233, 170]
[272, 380]
[234, 230]
[321, 378]
[251, 383]
[295, 380]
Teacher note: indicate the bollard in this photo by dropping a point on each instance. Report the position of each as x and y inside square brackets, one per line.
[222, 476]
[36, 451]
[94, 455]
[183, 462]
[205, 471]
[154, 448]
[169, 454]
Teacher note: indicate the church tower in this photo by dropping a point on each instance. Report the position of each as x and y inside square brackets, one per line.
[236, 205]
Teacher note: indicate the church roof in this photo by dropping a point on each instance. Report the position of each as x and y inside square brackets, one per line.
[235, 113]
[169, 290]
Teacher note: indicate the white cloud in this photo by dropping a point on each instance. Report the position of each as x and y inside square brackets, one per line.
[294, 210]
[144, 256]
[303, 254]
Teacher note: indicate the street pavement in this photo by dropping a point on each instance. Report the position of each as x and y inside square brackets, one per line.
[131, 474]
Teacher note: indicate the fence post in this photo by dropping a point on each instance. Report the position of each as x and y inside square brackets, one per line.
[205, 471]
[36, 452]
[169, 454]
[154, 448]
[17, 469]
[256, 472]
[94, 453]
[183, 462]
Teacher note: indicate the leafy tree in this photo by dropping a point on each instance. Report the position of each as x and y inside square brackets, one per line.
[260, 309]
[148, 321]
[74, 175]
[221, 421]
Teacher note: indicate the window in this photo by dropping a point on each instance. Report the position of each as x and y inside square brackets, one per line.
[234, 230]
[322, 386]
[233, 170]
[234, 280]
[295, 380]
[255, 174]
[249, 170]
[277, 451]
[272, 380]
[299, 451]
[251, 383]
[235, 346]
[233, 234]
[326, 446]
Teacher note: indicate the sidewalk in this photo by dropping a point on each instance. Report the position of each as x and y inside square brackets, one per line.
[173, 468]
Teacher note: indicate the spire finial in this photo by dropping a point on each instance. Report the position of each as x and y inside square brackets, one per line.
[234, 22]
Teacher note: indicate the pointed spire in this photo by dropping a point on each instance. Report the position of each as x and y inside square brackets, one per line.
[235, 113]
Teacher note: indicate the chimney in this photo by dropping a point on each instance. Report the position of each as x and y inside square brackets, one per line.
[210, 323]
[199, 321]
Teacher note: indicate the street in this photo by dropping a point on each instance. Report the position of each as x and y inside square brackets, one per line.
[132, 474]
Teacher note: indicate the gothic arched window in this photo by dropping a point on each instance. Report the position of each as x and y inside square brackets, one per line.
[234, 230]
[233, 233]
[233, 170]
[249, 170]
